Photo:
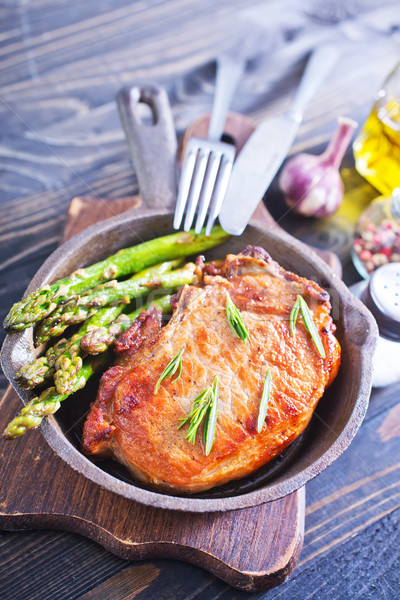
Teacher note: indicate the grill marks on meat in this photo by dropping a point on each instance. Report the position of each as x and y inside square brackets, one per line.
[140, 429]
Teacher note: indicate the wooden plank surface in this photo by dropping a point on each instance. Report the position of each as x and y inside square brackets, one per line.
[61, 65]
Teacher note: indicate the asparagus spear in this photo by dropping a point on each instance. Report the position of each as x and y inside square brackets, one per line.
[42, 369]
[55, 323]
[37, 305]
[77, 310]
[49, 400]
[35, 373]
[98, 332]
[95, 341]
[98, 339]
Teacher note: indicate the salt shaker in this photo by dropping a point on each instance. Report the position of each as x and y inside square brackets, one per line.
[381, 294]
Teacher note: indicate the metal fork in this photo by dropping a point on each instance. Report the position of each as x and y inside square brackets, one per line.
[208, 162]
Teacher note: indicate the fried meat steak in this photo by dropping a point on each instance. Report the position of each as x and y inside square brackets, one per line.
[136, 426]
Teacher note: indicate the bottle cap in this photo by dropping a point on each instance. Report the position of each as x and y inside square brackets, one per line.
[382, 297]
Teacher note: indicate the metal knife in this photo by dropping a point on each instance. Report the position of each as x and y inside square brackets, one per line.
[267, 147]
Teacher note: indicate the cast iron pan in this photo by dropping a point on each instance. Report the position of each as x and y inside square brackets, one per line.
[339, 413]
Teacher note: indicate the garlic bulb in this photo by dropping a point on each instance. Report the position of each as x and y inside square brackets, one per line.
[312, 184]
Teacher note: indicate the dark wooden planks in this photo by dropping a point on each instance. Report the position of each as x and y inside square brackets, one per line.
[68, 101]
[364, 567]
[64, 123]
[32, 565]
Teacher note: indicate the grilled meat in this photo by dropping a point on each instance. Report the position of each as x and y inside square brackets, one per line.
[139, 428]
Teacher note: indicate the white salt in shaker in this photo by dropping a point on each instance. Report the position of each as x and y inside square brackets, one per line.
[381, 294]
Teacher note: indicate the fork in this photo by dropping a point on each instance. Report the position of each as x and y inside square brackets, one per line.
[207, 164]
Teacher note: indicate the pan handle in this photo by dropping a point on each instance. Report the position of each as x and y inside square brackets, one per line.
[152, 148]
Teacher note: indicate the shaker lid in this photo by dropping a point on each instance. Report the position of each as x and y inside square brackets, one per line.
[382, 297]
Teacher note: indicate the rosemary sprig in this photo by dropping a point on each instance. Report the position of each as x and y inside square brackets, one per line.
[205, 406]
[210, 422]
[235, 320]
[262, 411]
[306, 315]
[197, 413]
[294, 313]
[171, 368]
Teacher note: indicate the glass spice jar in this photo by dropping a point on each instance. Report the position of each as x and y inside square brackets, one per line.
[377, 235]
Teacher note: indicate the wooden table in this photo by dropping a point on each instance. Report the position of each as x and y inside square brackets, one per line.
[61, 66]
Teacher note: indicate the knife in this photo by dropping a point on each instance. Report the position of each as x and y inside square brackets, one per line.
[267, 147]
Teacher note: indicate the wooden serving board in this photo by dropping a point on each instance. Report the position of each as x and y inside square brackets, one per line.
[251, 549]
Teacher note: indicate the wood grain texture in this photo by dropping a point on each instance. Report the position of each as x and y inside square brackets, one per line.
[61, 64]
[126, 584]
[82, 208]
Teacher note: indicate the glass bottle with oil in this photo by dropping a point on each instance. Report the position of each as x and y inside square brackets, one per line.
[377, 146]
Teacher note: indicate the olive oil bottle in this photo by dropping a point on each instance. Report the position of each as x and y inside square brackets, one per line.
[377, 146]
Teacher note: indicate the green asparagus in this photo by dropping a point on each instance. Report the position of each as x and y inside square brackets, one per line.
[98, 339]
[42, 369]
[95, 335]
[78, 310]
[68, 367]
[35, 373]
[55, 324]
[95, 341]
[49, 400]
[40, 303]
